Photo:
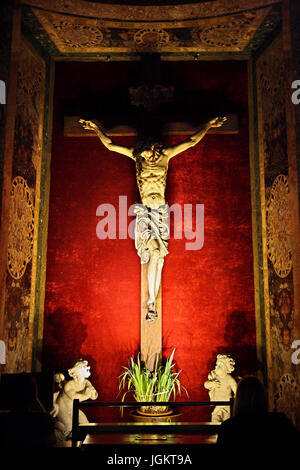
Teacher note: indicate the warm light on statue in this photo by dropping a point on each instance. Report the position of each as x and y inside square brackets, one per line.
[77, 388]
[222, 386]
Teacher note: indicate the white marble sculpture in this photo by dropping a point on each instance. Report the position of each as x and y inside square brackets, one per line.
[152, 159]
[222, 386]
[77, 388]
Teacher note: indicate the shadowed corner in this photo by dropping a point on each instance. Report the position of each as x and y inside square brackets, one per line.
[59, 352]
[236, 344]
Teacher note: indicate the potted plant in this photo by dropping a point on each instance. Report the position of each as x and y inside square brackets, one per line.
[151, 386]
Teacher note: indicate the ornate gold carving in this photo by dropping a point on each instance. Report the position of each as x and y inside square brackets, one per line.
[30, 74]
[29, 125]
[282, 311]
[271, 85]
[21, 226]
[278, 227]
[230, 33]
[151, 37]
[271, 73]
[72, 34]
[76, 35]
[288, 394]
[142, 13]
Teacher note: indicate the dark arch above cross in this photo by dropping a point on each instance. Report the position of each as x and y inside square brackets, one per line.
[149, 103]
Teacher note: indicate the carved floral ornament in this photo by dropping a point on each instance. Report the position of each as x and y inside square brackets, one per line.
[278, 227]
[229, 33]
[288, 392]
[151, 37]
[30, 74]
[21, 227]
[77, 35]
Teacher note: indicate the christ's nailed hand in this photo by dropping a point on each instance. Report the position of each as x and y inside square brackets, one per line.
[218, 121]
[88, 125]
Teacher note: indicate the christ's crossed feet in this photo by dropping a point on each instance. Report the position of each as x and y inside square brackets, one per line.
[151, 314]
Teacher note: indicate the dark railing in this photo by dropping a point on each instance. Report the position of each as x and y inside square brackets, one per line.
[79, 431]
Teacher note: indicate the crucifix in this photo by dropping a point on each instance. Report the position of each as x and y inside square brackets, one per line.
[151, 158]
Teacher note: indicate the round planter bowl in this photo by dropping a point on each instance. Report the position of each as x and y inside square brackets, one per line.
[154, 410]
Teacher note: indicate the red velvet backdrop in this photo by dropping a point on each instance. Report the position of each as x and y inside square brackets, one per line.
[92, 307]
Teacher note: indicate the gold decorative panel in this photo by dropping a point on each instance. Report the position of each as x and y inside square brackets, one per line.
[124, 11]
[278, 227]
[80, 34]
[229, 33]
[287, 394]
[22, 250]
[72, 34]
[151, 36]
[21, 226]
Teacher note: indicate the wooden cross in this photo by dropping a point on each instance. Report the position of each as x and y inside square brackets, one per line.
[72, 128]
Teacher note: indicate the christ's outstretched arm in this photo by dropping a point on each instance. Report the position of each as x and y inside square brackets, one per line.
[91, 126]
[171, 152]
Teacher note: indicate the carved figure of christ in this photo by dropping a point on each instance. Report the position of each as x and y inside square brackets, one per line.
[151, 233]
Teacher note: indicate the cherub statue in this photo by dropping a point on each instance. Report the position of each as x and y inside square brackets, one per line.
[77, 388]
[222, 386]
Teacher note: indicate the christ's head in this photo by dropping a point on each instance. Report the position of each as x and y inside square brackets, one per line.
[149, 149]
[152, 153]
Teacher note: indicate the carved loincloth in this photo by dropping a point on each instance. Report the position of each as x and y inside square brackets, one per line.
[151, 224]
